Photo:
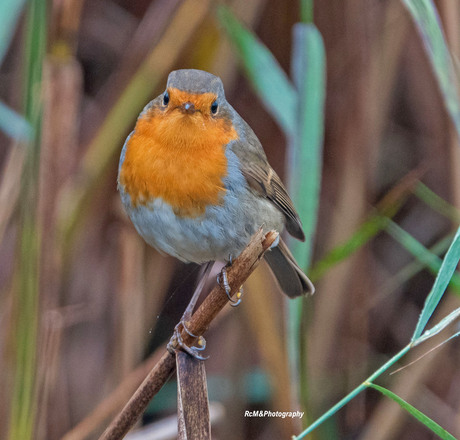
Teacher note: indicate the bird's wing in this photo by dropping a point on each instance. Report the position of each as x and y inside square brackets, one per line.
[263, 180]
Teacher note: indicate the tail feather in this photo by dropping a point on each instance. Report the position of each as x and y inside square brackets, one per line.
[291, 279]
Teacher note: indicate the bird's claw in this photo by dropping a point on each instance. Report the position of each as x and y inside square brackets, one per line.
[177, 343]
[224, 284]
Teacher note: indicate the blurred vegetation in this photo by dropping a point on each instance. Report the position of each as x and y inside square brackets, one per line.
[84, 302]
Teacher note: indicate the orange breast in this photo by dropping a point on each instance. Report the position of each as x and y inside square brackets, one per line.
[179, 158]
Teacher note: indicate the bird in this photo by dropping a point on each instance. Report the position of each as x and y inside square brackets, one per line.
[195, 181]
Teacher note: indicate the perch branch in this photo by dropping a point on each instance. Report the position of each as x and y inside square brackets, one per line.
[237, 274]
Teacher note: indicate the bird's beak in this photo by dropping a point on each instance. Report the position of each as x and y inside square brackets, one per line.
[188, 107]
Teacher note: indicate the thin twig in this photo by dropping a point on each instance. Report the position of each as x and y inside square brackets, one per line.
[237, 274]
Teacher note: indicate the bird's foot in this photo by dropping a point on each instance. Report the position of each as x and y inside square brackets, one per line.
[177, 343]
[223, 282]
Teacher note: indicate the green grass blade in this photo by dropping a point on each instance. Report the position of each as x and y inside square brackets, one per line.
[353, 393]
[9, 15]
[429, 423]
[305, 162]
[442, 280]
[267, 77]
[437, 203]
[377, 221]
[24, 399]
[369, 229]
[305, 152]
[414, 267]
[13, 124]
[428, 24]
[439, 327]
[306, 11]
[420, 252]
[444, 275]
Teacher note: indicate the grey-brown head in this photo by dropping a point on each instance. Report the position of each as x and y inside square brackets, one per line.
[196, 81]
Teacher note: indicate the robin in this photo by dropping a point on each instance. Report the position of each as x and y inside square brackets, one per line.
[196, 183]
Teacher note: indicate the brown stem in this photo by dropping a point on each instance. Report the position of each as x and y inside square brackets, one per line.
[237, 274]
[114, 401]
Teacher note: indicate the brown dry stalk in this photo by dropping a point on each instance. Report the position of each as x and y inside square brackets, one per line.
[192, 399]
[114, 401]
[10, 184]
[237, 274]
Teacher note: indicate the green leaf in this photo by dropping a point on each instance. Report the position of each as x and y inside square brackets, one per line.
[437, 203]
[429, 423]
[440, 326]
[13, 124]
[377, 221]
[9, 15]
[329, 413]
[414, 267]
[24, 406]
[428, 24]
[306, 145]
[442, 280]
[369, 229]
[267, 77]
[305, 162]
[420, 252]
[306, 11]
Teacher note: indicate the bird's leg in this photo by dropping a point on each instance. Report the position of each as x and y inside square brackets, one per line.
[176, 340]
[196, 294]
[224, 284]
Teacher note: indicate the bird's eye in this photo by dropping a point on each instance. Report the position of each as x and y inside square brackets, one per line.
[166, 98]
[214, 107]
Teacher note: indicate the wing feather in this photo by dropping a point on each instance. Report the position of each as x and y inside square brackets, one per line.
[263, 180]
